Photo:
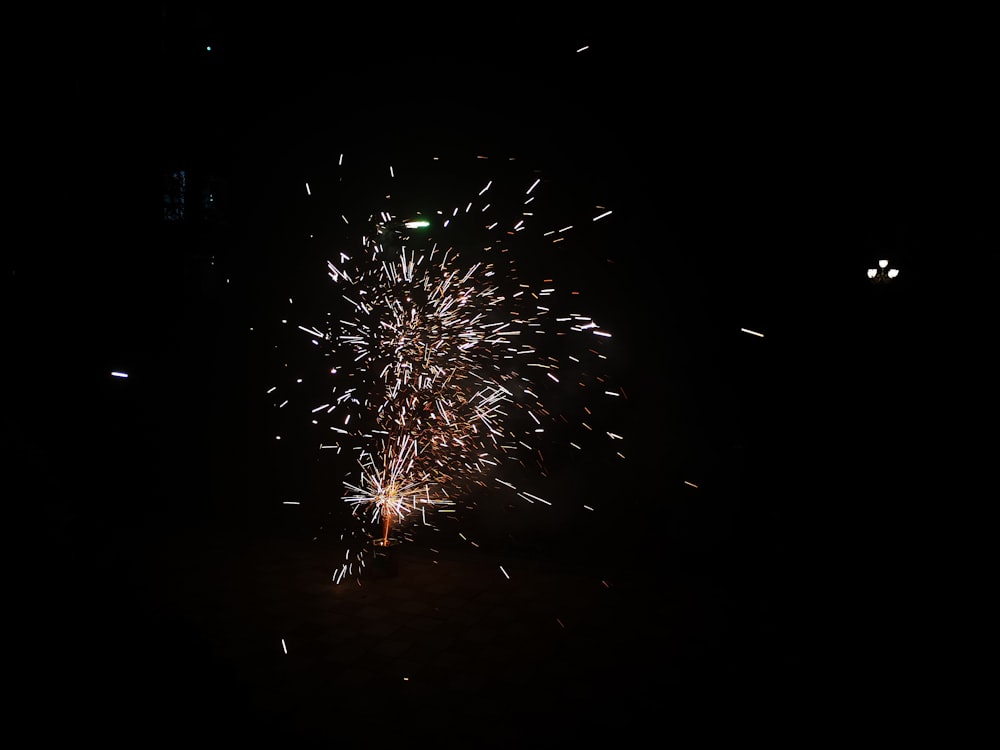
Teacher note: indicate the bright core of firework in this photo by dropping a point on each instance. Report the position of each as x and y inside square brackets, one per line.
[441, 364]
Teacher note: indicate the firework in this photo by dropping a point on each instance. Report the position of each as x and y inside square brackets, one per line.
[441, 354]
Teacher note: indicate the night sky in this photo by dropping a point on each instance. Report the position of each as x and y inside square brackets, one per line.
[756, 167]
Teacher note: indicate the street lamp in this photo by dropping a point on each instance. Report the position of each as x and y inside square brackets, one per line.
[883, 274]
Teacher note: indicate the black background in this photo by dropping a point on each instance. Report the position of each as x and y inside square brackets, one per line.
[757, 165]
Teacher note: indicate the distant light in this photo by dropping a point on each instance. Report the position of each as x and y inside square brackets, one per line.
[883, 273]
[208, 48]
[117, 374]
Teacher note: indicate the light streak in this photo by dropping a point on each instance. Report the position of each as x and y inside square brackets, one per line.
[752, 333]
[426, 389]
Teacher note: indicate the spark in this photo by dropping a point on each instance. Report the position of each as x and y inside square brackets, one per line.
[427, 390]
[118, 374]
[536, 497]
[752, 333]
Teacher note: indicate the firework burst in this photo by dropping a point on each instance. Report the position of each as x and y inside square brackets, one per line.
[442, 357]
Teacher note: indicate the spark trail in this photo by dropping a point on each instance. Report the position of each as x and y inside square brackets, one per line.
[443, 357]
